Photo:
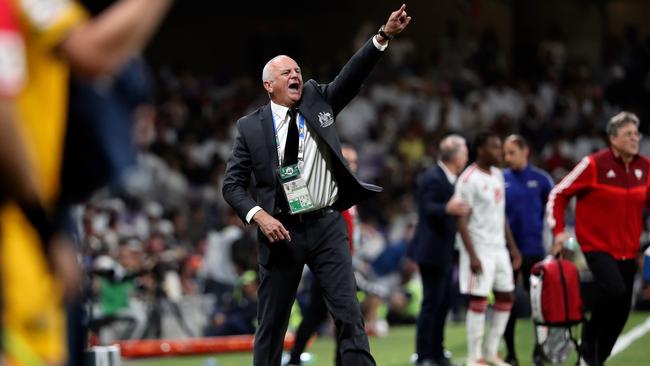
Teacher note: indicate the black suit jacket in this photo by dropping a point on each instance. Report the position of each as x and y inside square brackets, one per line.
[255, 148]
[433, 243]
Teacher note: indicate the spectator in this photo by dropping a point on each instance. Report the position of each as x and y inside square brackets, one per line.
[237, 316]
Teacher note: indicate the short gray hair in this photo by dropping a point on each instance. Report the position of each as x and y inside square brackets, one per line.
[450, 146]
[266, 71]
[267, 74]
[622, 119]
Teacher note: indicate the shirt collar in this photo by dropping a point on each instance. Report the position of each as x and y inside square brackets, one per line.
[280, 111]
[618, 158]
[451, 177]
[525, 169]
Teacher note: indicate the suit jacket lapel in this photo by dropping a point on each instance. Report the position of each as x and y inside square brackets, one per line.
[443, 176]
[269, 135]
[311, 117]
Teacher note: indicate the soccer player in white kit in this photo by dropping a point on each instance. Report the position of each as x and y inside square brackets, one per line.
[489, 253]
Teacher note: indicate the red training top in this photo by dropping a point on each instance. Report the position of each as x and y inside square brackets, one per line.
[609, 204]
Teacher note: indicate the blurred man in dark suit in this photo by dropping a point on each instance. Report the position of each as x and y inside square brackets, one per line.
[433, 246]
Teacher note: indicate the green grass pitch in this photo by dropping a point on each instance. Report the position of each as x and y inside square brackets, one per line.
[397, 347]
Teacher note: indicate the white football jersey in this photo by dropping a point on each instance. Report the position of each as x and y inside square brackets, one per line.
[485, 193]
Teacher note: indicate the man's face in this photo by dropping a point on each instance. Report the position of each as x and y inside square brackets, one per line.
[492, 151]
[516, 158]
[626, 140]
[285, 85]
[460, 159]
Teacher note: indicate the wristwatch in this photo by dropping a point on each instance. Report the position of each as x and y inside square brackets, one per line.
[383, 34]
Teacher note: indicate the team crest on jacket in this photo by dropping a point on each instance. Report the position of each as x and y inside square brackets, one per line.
[325, 119]
[638, 173]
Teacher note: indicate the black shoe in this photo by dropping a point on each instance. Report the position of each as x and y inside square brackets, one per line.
[586, 356]
[444, 361]
[512, 360]
[426, 363]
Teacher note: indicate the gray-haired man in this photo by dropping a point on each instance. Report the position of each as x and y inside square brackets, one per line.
[611, 190]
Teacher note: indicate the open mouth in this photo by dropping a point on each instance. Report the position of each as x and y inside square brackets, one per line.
[294, 86]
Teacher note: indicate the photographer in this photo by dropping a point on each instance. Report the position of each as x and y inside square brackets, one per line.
[119, 313]
[238, 316]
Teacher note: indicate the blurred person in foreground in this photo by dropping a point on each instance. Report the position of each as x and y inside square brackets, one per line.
[489, 254]
[302, 183]
[611, 190]
[49, 39]
[527, 189]
[433, 246]
[219, 271]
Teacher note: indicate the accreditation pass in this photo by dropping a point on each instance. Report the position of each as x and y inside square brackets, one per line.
[295, 189]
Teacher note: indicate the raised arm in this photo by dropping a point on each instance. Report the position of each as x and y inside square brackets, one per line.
[347, 83]
[102, 44]
[396, 23]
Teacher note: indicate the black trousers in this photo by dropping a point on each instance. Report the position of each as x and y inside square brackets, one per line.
[527, 264]
[322, 244]
[313, 316]
[612, 299]
[437, 290]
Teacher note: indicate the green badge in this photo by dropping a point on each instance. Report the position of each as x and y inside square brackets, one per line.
[295, 189]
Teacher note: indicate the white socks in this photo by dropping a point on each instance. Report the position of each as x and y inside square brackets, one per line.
[499, 321]
[475, 323]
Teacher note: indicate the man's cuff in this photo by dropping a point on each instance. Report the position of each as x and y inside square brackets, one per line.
[251, 213]
[378, 45]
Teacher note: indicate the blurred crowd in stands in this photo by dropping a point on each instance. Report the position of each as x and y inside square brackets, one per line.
[170, 235]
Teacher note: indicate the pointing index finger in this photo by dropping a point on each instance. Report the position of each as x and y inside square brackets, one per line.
[398, 13]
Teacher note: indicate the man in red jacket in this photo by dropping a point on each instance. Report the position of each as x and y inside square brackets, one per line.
[611, 188]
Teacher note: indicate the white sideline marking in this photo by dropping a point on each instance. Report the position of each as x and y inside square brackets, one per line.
[628, 338]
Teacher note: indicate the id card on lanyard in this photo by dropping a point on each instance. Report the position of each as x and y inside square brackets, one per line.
[293, 183]
[295, 189]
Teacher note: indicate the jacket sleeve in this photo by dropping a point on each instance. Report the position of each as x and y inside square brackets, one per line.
[238, 176]
[546, 183]
[430, 197]
[347, 83]
[578, 180]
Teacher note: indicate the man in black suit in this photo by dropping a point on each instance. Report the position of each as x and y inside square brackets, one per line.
[301, 183]
[433, 246]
